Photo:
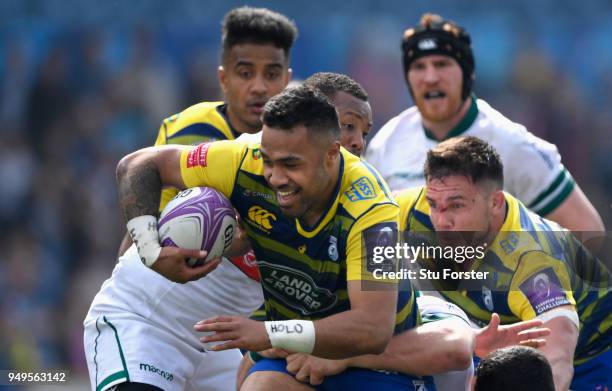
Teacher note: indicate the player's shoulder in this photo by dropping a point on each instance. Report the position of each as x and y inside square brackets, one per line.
[252, 161]
[202, 119]
[501, 131]
[200, 112]
[496, 124]
[519, 236]
[362, 187]
[407, 197]
[400, 124]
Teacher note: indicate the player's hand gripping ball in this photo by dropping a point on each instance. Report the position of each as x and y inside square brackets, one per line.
[199, 218]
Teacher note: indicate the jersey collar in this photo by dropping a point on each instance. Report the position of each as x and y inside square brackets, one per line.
[462, 126]
[222, 110]
[332, 205]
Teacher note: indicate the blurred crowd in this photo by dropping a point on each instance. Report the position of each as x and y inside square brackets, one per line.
[74, 100]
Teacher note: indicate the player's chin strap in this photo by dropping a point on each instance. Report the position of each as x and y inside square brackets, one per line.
[292, 335]
[143, 231]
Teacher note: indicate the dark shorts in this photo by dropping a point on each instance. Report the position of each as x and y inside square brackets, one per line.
[355, 379]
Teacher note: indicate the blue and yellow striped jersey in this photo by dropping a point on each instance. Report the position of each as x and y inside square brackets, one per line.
[534, 266]
[200, 123]
[304, 270]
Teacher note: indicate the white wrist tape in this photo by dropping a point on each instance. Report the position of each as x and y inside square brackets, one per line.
[143, 231]
[296, 336]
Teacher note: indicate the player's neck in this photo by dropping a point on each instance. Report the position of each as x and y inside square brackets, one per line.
[441, 129]
[238, 125]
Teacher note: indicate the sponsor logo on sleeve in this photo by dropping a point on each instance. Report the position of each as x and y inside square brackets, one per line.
[361, 189]
[377, 237]
[544, 292]
[197, 156]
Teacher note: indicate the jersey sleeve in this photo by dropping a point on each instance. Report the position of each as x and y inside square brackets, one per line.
[371, 233]
[540, 284]
[406, 199]
[213, 165]
[162, 134]
[542, 183]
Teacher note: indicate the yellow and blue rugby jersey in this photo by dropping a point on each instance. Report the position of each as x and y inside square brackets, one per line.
[200, 123]
[534, 266]
[304, 270]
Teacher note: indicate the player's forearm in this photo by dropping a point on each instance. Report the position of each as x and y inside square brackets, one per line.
[352, 333]
[433, 348]
[138, 184]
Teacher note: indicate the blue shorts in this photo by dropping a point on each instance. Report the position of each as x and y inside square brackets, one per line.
[355, 379]
[595, 374]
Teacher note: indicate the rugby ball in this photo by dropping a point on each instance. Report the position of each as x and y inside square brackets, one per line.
[198, 218]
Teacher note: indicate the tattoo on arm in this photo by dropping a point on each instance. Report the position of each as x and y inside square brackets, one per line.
[139, 191]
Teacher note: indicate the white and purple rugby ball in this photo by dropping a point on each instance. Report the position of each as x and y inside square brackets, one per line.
[198, 218]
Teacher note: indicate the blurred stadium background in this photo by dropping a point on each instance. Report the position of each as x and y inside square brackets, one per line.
[82, 83]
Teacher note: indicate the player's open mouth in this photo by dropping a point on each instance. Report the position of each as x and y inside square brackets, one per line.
[434, 95]
[257, 107]
[286, 197]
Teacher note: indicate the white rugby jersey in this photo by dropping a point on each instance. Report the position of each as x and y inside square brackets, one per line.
[532, 167]
[136, 289]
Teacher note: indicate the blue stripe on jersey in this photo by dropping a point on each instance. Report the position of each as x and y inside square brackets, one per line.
[200, 129]
[556, 248]
[423, 219]
[526, 223]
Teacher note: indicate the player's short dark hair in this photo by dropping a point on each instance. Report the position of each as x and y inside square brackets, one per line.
[465, 156]
[258, 26]
[514, 368]
[330, 83]
[302, 106]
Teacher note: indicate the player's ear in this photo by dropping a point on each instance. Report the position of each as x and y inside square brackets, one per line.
[222, 75]
[333, 151]
[498, 201]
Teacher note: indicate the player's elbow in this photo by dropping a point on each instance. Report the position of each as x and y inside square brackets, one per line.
[124, 165]
[378, 339]
[458, 349]
[128, 162]
[458, 357]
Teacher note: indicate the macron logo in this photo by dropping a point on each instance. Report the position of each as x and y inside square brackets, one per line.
[427, 44]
